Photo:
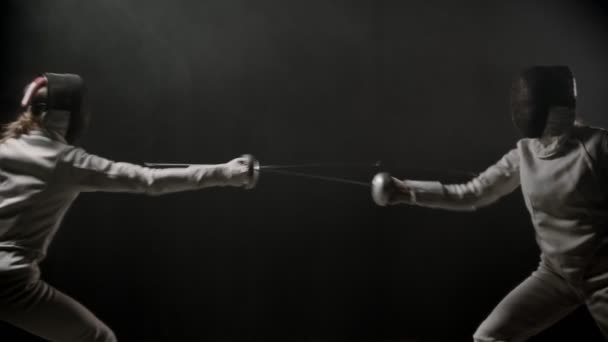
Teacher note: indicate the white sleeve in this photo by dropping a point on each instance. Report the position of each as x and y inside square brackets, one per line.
[498, 180]
[87, 173]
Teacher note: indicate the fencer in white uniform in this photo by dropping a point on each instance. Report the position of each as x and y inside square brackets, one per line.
[41, 174]
[562, 170]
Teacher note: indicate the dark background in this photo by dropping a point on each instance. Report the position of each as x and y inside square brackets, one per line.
[414, 84]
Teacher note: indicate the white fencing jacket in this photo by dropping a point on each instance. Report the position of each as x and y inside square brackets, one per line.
[565, 188]
[40, 177]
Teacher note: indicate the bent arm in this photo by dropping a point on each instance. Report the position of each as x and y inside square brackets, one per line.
[498, 180]
[88, 173]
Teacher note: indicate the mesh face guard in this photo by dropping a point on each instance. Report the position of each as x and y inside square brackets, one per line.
[64, 95]
[535, 92]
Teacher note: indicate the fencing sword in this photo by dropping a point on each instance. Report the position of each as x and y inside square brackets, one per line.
[316, 176]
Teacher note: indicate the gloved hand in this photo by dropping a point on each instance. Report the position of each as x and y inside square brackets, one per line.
[242, 171]
[387, 190]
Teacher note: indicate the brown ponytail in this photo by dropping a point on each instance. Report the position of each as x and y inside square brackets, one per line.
[25, 123]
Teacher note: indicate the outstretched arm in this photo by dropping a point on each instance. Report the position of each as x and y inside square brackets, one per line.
[87, 173]
[495, 182]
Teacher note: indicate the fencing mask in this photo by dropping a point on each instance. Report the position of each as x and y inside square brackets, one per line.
[57, 99]
[538, 93]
